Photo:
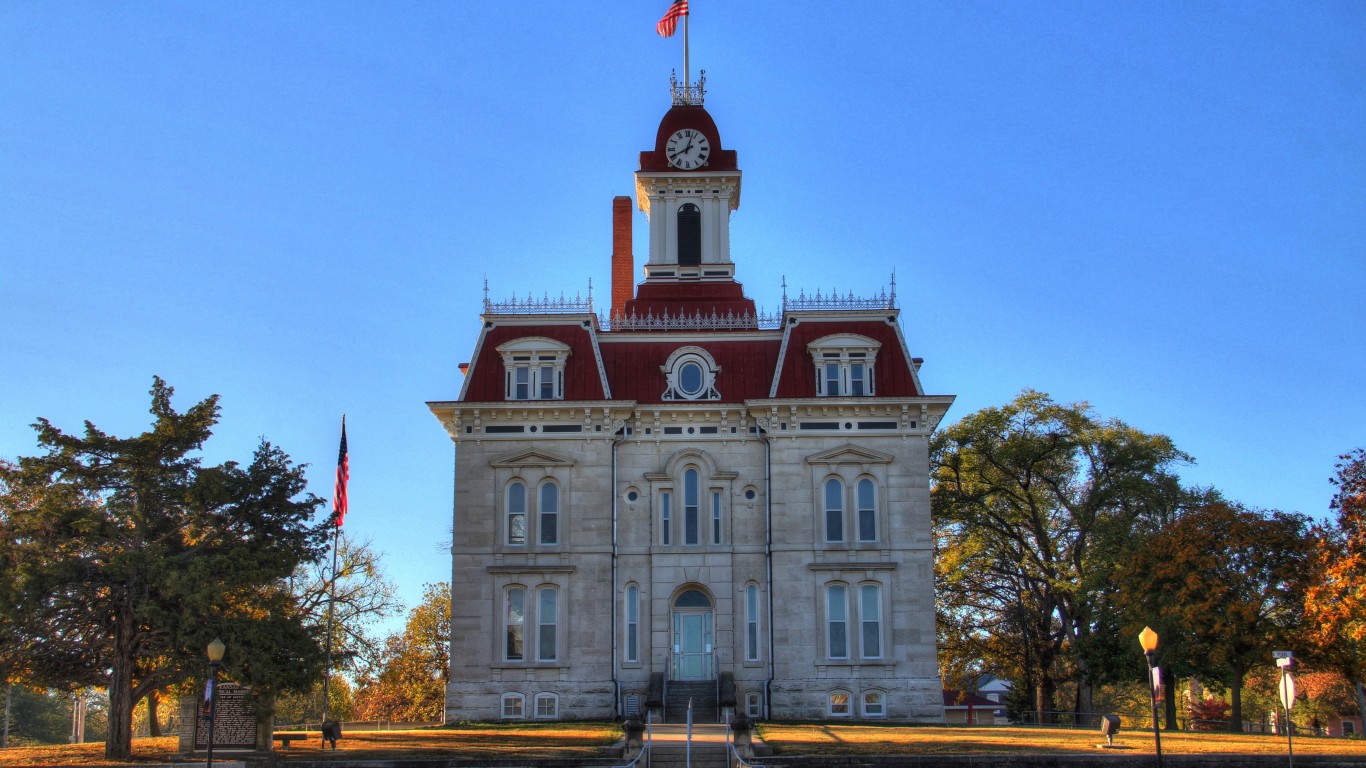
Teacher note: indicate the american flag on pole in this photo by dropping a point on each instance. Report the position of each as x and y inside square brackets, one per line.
[343, 474]
[669, 24]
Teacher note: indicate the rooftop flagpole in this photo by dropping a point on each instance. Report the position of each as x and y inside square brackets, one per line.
[686, 81]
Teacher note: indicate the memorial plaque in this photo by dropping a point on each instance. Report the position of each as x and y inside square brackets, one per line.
[234, 722]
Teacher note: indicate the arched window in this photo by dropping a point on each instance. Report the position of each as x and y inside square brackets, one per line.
[516, 513]
[514, 624]
[874, 704]
[547, 625]
[834, 510]
[550, 514]
[870, 620]
[514, 706]
[690, 504]
[547, 706]
[867, 510]
[837, 621]
[689, 235]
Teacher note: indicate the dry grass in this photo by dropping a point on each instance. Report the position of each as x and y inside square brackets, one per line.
[821, 738]
[465, 740]
[589, 739]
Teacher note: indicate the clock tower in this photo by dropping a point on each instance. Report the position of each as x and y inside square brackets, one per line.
[688, 185]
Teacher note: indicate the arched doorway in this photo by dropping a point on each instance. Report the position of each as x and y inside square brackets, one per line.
[693, 621]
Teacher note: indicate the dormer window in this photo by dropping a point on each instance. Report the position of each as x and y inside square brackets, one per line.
[691, 375]
[844, 365]
[534, 368]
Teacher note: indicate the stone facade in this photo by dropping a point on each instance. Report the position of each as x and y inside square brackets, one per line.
[700, 500]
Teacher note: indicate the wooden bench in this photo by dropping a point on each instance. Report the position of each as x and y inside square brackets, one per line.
[286, 738]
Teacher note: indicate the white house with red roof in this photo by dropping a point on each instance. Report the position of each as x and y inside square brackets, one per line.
[681, 499]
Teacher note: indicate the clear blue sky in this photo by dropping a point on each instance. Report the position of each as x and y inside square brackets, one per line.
[1159, 208]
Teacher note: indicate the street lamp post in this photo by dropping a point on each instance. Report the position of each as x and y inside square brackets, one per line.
[215, 651]
[1148, 639]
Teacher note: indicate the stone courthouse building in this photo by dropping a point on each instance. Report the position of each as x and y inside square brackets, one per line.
[680, 498]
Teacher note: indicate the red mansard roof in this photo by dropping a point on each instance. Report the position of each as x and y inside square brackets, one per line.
[633, 367]
[892, 374]
[689, 298]
[581, 378]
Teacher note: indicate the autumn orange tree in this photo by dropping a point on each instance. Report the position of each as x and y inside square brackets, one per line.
[1227, 582]
[410, 684]
[1335, 602]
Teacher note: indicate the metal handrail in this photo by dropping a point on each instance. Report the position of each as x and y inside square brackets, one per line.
[736, 760]
[688, 750]
[645, 748]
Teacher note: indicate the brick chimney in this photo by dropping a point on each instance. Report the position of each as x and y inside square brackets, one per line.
[623, 263]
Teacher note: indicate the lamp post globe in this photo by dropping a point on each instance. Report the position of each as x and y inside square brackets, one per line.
[215, 651]
[1147, 639]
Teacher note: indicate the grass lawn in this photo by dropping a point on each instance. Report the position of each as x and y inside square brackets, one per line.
[823, 738]
[589, 739]
[465, 740]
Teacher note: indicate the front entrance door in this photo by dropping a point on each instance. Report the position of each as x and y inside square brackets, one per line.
[692, 637]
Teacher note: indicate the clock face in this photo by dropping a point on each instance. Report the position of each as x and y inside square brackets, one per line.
[687, 149]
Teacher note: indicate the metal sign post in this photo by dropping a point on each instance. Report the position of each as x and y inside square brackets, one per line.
[1284, 659]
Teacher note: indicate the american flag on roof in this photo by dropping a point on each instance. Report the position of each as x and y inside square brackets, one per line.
[343, 474]
[669, 24]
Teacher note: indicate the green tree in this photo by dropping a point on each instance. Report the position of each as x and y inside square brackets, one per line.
[1225, 583]
[411, 684]
[123, 557]
[1033, 504]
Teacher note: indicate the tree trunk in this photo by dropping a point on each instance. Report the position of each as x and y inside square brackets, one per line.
[153, 727]
[118, 745]
[1043, 699]
[1361, 703]
[1169, 684]
[1236, 700]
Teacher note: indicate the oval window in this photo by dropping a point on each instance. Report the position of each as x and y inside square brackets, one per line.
[690, 378]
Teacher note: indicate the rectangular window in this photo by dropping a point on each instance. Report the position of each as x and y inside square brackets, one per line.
[632, 624]
[512, 707]
[547, 382]
[521, 389]
[856, 379]
[751, 623]
[753, 705]
[665, 500]
[547, 617]
[515, 621]
[550, 514]
[870, 615]
[834, 510]
[837, 621]
[832, 380]
[547, 706]
[715, 517]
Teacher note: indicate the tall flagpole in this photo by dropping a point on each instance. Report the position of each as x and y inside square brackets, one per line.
[686, 82]
[339, 505]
